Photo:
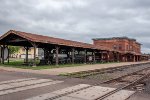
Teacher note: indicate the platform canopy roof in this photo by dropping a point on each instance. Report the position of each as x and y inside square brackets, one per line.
[18, 38]
[130, 52]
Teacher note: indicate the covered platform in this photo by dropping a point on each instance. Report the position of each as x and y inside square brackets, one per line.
[75, 52]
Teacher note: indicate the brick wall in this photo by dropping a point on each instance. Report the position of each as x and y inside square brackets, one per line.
[119, 44]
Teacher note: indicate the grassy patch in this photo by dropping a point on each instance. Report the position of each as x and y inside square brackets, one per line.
[18, 63]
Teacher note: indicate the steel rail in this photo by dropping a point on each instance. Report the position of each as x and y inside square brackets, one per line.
[121, 88]
[100, 71]
[64, 94]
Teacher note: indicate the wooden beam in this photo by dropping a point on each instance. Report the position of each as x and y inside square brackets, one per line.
[17, 40]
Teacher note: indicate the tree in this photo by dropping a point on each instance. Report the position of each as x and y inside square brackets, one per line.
[13, 49]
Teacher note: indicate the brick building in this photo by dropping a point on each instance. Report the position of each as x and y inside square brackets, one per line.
[130, 49]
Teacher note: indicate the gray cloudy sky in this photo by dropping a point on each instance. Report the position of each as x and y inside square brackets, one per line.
[79, 20]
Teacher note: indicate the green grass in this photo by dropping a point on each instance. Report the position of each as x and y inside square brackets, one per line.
[19, 64]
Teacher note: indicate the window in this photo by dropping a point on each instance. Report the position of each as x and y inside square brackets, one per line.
[127, 47]
[131, 47]
[115, 46]
[120, 47]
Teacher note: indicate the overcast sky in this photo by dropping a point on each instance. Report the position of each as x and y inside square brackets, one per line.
[79, 20]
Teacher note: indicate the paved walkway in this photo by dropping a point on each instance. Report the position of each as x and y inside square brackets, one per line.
[57, 71]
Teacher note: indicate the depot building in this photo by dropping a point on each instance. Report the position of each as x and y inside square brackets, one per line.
[60, 51]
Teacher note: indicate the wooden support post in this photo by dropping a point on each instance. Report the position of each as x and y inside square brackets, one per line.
[27, 54]
[108, 56]
[85, 54]
[3, 47]
[48, 56]
[72, 55]
[122, 58]
[0, 54]
[118, 58]
[34, 46]
[114, 56]
[78, 52]
[138, 58]
[8, 55]
[131, 58]
[134, 58]
[102, 56]
[57, 52]
[44, 52]
[34, 56]
[94, 57]
[126, 57]
[67, 52]
[27, 49]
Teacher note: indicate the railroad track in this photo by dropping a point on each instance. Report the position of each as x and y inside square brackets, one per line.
[84, 74]
[143, 76]
[126, 85]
